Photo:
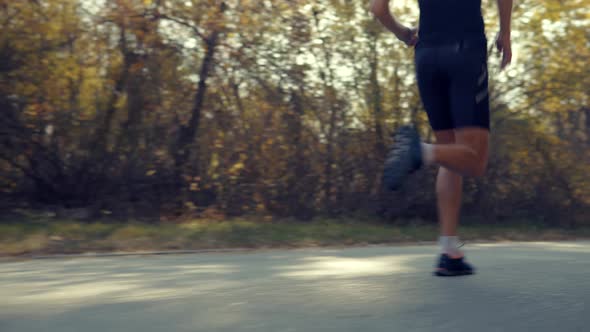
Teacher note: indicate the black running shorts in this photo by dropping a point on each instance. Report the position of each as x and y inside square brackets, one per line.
[453, 83]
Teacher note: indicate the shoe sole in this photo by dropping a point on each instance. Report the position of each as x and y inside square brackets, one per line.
[396, 185]
[452, 274]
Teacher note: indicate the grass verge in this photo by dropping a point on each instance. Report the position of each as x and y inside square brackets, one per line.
[70, 237]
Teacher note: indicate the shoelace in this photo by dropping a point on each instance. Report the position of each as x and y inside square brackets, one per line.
[401, 144]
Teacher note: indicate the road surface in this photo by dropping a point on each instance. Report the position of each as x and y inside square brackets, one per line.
[519, 287]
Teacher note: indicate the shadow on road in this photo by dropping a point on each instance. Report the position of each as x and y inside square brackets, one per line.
[278, 290]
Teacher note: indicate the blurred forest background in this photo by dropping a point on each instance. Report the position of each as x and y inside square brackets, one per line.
[153, 108]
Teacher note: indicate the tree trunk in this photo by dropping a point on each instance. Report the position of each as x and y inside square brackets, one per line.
[587, 113]
[189, 132]
[100, 140]
[135, 108]
[296, 184]
[329, 102]
[375, 100]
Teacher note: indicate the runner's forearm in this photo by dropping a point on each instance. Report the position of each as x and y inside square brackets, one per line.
[505, 11]
[380, 9]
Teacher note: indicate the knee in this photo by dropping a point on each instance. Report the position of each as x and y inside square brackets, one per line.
[479, 169]
[479, 172]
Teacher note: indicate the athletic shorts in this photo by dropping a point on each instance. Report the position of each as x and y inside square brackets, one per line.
[453, 82]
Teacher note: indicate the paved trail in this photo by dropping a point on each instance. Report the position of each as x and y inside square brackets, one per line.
[519, 287]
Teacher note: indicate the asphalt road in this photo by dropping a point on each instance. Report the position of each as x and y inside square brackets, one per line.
[519, 287]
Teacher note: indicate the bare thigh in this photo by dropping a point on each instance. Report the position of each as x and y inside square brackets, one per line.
[445, 136]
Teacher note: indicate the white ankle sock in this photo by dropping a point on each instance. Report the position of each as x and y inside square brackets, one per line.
[449, 245]
[427, 153]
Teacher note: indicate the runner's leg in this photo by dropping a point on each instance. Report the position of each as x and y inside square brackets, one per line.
[448, 190]
[468, 156]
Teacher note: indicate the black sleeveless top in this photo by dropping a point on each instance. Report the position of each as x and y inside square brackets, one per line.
[450, 20]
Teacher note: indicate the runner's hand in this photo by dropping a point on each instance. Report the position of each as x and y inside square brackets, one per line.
[409, 36]
[504, 46]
